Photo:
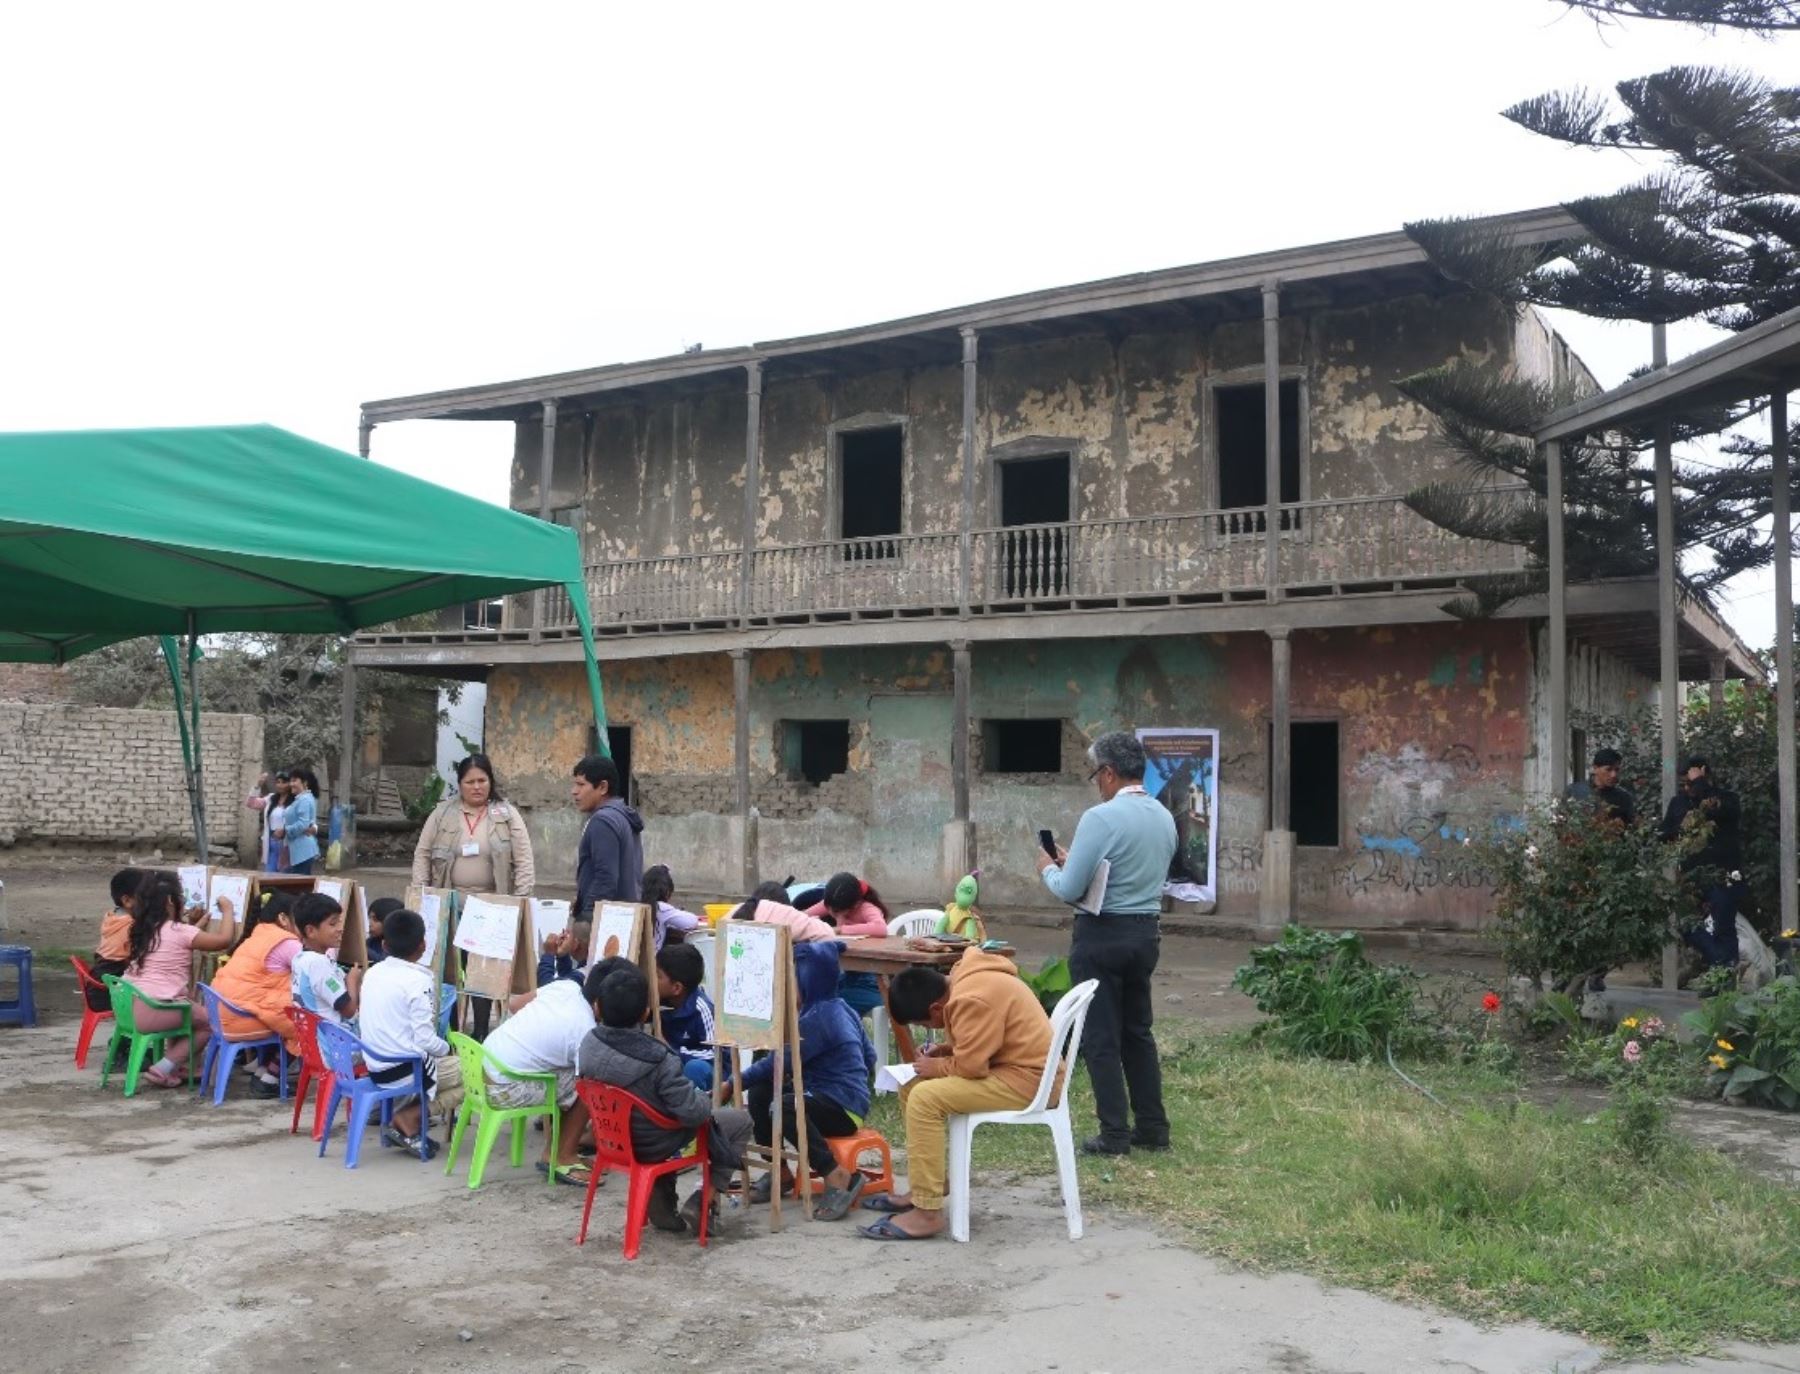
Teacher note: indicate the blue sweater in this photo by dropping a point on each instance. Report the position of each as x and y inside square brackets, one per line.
[835, 1056]
[687, 1026]
[1136, 835]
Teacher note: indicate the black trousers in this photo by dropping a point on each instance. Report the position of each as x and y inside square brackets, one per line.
[823, 1118]
[1120, 952]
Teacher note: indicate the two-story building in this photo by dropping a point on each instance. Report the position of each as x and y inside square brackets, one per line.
[864, 597]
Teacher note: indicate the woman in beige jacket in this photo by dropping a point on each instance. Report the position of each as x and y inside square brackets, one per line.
[475, 841]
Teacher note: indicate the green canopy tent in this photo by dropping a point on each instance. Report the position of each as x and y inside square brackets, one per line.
[107, 535]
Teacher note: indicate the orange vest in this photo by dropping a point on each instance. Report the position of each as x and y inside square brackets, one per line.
[246, 980]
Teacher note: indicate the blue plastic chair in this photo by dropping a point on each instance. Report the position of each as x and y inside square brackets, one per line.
[338, 1048]
[20, 1010]
[222, 1054]
[446, 1001]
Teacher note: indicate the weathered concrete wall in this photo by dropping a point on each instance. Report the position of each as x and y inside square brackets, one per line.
[99, 779]
[1599, 684]
[1435, 736]
[1134, 410]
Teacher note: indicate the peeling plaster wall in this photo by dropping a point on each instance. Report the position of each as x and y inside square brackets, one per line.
[1436, 734]
[1599, 684]
[665, 476]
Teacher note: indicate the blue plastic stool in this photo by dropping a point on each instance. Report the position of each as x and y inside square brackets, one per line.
[21, 1010]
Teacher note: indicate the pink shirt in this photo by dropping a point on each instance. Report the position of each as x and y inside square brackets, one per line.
[281, 958]
[805, 928]
[865, 918]
[164, 972]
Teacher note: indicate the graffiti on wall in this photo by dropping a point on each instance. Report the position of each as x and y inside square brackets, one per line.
[1423, 853]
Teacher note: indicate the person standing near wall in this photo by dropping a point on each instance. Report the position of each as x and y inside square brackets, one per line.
[1716, 867]
[1118, 945]
[1601, 789]
[610, 864]
[476, 841]
[300, 821]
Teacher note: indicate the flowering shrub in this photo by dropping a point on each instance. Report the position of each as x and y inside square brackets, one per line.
[1642, 1051]
[1576, 895]
[1751, 1044]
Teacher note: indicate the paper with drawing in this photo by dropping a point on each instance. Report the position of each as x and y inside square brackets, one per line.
[431, 911]
[488, 928]
[547, 918]
[750, 952]
[234, 888]
[614, 925]
[193, 885]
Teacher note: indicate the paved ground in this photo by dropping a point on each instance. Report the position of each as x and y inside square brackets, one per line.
[157, 1233]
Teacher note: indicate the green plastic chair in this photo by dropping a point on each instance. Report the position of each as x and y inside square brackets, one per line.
[475, 1060]
[142, 1042]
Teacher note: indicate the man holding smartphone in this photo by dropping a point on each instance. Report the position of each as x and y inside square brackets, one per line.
[1118, 944]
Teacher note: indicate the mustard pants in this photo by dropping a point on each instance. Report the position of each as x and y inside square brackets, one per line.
[929, 1103]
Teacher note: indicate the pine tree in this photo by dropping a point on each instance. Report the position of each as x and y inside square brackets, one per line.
[1711, 234]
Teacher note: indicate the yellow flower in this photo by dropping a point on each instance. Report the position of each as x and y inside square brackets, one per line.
[1630, 1023]
[1716, 1060]
[1726, 1045]
[1790, 934]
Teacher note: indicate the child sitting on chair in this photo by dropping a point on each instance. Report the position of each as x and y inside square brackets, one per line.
[379, 910]
[259, 978]
[398, 1017]
[687, 1012]
[565, 955]
[319, 984]
[620, 1052]
[113, 952]
[837, 1063]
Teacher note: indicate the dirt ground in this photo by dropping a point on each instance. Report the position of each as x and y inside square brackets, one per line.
[159, 1232]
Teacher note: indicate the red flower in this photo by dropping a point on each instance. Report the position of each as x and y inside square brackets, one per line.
[1490, 1002]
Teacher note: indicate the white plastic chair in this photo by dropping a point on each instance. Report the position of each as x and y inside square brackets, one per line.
[703, 943]
[1065, 1039]
[921, 922]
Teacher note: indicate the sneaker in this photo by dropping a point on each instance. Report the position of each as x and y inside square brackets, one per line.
[393, 1138]
[664, 1215]
[264, 1087]
[1150, 1142]
[1100, 1145]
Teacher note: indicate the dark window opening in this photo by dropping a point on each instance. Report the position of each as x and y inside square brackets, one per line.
[1313, 775]
[815, 749]
[1241, 433]
[870, 467]
[1578, 756]
[483, 615]
[1021, 746]
[1034, 492]
[618, 744]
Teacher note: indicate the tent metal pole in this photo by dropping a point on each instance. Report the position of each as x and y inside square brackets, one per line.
[199, 764]
[171, 652]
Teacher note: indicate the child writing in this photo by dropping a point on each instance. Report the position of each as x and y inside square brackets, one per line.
[768, 906]
[837, 1063]
[163, 941]
[687, 1012]
[258, 978]
[113, 952]
[319, 984]
[398, 1017]
[620, 1052]
[658, 888]
[565, 956]
[855, 908]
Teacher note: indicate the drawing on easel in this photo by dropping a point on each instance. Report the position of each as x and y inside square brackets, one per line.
[235, 889]
[488, 928]
[615, 929]
[750, 973]
[193, 880]
[547, 918]
[334, 889]
[431, 911]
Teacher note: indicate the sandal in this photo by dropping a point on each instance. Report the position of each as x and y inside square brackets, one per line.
[158, 1079]
[575, 1175]
[885, 1204]
[836, 1204]
[886, 1230]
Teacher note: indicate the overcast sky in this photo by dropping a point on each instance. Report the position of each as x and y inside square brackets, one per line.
[224, 213]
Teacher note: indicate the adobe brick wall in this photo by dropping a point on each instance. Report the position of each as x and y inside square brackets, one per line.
[76, 778]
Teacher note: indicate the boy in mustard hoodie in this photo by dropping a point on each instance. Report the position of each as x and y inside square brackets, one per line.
[990, 1061]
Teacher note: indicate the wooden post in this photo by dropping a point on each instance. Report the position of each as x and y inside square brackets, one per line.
[1277, 895]
[1559, 622]
[546, 470]
[740, 745]
[1668, 651]
[965, 579]
[959, 729]
[1784, 658]
[752, 476]
[347, 730]
[1271, 303]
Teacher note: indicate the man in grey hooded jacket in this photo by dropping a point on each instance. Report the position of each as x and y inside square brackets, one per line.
[622, 1053]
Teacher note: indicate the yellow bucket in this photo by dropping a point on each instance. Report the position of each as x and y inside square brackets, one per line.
[718, 911]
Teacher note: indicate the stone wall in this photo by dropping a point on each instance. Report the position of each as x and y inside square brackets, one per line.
[92, 778]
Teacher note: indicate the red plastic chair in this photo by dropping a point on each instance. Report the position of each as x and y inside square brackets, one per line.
[609, 1110]
[90, 1019]
[312, 1068]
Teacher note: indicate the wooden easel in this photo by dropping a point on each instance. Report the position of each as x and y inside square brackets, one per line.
[353, 947]
[757, 1007]
[429, 902]
[626, 930]
[493, 977]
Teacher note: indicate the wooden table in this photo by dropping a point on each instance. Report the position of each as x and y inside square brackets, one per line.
[886, 956]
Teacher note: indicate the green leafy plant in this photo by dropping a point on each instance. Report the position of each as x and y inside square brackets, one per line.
[427, 801]
[1050, 982]
[1324, 997]
[1576, 895]
[1638, 1121]
[1751, 1044]
[1641, 1051]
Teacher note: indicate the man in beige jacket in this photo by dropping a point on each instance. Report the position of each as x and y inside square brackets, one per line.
[997, 1039]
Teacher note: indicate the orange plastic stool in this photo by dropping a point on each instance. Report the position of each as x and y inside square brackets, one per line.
[848, 1150]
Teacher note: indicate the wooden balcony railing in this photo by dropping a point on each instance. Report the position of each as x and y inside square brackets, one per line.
[1324, 547]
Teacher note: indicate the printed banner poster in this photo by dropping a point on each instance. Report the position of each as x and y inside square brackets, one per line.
[1182, 772]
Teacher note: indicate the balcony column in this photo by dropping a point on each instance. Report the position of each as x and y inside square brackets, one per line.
[956, 855]
[365, 433]
[1715, 681]
[966, 572]
[1559, 622]
[743, 824]
[1277, 898]
[1784, 659]
[1271, 304]
[752, 477]
[546, 469]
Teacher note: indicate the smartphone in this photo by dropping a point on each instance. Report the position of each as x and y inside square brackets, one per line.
[1048, 841]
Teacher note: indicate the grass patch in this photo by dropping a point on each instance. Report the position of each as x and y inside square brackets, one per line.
[1496, 1208]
